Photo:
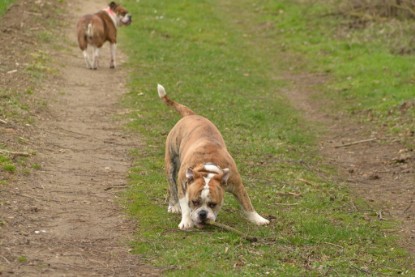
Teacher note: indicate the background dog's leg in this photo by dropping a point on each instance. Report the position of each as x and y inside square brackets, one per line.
[95, 56]
[86, 57]
[113, 48]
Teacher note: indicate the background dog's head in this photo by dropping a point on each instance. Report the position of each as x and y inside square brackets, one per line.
[122, 15]
[205, 192]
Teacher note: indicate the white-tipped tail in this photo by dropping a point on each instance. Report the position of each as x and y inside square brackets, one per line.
[90, 31]
[161, 91]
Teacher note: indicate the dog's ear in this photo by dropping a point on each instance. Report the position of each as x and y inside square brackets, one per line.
[225, 176]
[190, 175]
[189, 178]
[113, 5]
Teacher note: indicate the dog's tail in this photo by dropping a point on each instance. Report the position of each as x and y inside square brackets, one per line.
[181, 109]
[90, 31]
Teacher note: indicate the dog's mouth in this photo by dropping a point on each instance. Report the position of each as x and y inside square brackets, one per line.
[202, 224]
[127, 21]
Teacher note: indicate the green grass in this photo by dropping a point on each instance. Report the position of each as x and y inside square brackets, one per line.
[208, 58]
[6, 164]
[18, 102]
[365, 75]
[4, 4]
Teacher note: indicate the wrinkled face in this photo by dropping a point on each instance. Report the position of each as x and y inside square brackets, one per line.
[205, 197]
[122, 15]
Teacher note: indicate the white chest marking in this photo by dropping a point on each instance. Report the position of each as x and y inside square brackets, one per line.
[112, 15]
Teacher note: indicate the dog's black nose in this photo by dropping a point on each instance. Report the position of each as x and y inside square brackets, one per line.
[203, 215]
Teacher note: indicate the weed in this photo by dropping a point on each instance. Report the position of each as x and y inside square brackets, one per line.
[22, 259]
[45, 36]
[36, 166]
[9, 168]
[6, 164]
[39, 65]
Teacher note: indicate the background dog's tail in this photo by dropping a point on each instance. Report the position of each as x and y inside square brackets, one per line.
[181, 109]
[90, 31]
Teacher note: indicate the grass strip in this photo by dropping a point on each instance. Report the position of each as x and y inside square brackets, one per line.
[206, 58]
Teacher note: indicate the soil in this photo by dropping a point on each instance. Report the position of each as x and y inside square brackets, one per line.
[64, 219]
[377, 166]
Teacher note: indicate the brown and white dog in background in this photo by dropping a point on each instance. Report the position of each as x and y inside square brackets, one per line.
[200, 169]
[96, 29]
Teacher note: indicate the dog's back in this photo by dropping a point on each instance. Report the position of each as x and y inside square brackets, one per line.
[90, 31]
[193, 136]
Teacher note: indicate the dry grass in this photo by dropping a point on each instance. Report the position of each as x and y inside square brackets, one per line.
[390, 22]
[369, 10]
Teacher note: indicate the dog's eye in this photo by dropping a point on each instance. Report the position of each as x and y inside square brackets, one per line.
[212, 205]
[196, 203]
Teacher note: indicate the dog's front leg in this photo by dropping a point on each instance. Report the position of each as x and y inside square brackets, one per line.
[186, 222]
[113, 48]
[238, 190]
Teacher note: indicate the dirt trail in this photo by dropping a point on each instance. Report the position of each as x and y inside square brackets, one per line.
[65, 220]
[377, 166]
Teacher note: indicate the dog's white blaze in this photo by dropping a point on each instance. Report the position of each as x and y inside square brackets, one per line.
[206, 190]
[213, 168]
[161, 91]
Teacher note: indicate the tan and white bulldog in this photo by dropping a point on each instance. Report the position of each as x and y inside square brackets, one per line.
[96, 29]
[200, 169]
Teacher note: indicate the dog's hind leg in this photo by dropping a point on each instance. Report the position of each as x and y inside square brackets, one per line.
[83, 45]
[171, 171]
[95, 56]
[238, 190]
[86, 57]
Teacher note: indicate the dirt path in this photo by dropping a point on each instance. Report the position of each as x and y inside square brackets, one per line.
[381, 170]
[65, 220]
[377, 166]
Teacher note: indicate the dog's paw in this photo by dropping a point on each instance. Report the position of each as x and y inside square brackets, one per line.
[262, 221]
[186, 224]
[255, 218]
[174, 209]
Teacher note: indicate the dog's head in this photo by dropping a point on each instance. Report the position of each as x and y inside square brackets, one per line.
[205, 192]
[121, 14]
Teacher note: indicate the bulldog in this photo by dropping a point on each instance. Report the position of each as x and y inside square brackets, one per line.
[96, 29]
[200, 169]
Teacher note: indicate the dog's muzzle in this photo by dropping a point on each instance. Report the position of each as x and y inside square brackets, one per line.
[127, 19]
[203, 215]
